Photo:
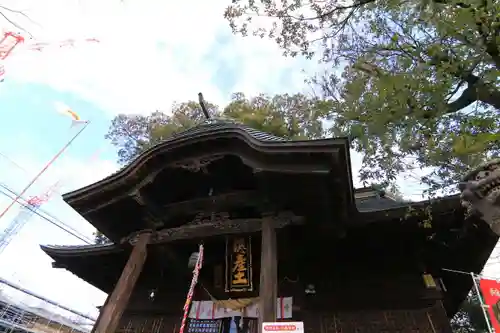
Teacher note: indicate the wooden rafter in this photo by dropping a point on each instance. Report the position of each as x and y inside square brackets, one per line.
[149, 179]
[215, 202]
[195, 205]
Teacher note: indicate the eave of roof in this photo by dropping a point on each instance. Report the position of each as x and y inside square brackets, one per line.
[68, 250]
[441, 206]
[376, 210]
[254, 138]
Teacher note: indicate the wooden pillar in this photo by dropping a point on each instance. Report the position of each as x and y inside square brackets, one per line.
[101, 311]
[268, 291]
[112, 311]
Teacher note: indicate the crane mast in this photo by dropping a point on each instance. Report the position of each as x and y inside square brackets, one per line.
[26, 212]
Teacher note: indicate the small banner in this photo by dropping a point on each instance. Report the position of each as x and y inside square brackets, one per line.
[220, 309]
[239, 264]
[288, 327]
[491, 295]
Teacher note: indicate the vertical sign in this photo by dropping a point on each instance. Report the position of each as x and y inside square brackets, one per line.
[491, 295]
[239, 264]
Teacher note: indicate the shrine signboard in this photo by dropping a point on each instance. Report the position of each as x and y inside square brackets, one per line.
[491, 295]
[239, 264]
[283, 327]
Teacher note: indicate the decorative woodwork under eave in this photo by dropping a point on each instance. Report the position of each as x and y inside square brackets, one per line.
[223, 227]
[117, 302]
[173, 209]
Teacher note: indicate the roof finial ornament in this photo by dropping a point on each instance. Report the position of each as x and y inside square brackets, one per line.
[201, 100]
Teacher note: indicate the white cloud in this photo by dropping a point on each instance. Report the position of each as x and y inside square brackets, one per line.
[23, 257]
[151, 53]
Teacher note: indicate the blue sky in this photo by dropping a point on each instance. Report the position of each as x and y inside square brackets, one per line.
[32, 132]
[135, 69]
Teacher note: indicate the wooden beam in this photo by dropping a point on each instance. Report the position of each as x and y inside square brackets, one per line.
[112, 312]
[209, 229]
[149, 179]
[153, 215]
[268, 291]
[101, 312]
[196, 205]
[218, 202]
[161, 252]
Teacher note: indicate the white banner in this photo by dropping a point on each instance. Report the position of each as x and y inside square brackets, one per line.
[210, 310]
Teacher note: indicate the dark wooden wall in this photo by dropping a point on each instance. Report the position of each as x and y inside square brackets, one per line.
[431, 319]
[425, 320]
[389, 303]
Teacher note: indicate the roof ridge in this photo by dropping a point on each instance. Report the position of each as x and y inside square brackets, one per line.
[80, 246]
[220, 122]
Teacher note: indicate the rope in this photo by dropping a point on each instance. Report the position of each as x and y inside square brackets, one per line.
[194, 281]
[470, 273]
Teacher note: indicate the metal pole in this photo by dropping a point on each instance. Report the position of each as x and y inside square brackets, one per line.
[201, 100]
[46, 300]
[43, 170]
[483, 306]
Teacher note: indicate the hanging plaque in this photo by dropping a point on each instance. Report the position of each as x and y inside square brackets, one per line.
[239, 264]
[204, 326]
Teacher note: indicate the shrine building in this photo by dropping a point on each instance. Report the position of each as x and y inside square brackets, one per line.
[286, 237]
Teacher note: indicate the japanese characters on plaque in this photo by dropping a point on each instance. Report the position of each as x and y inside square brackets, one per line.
[239, 264]
[204, 326]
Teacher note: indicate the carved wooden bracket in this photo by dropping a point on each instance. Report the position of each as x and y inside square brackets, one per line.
[135, 236]
[153, 215]
[196, 164]
[202, 218]
[138, 197]
[221, 227]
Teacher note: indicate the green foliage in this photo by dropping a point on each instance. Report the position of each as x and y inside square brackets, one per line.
[470, 317]
[289, 116]
[99, 238]
[390, 190]
[420, 87]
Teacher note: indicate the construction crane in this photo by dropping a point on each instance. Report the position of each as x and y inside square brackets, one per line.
[11, 40]
[25, 213]
[7, 44]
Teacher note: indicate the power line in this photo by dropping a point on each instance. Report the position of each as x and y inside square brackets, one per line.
[64, 227]
[27, 203]
[44, 169]
[13, 162]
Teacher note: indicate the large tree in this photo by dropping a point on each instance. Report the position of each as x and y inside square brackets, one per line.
[470, 316]
[289, 116]
[100, 239]
[420, 82]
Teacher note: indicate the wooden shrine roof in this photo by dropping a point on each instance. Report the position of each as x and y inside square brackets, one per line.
[311, 178]
[256, 138]
[165, 181]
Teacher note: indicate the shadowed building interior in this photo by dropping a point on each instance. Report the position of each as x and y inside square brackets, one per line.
[286, 238]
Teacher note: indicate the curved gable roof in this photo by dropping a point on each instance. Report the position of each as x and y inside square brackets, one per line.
[214, 128]
[214, 124]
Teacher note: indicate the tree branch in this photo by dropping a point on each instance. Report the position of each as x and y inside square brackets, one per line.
[477, 88]
[467, 97]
